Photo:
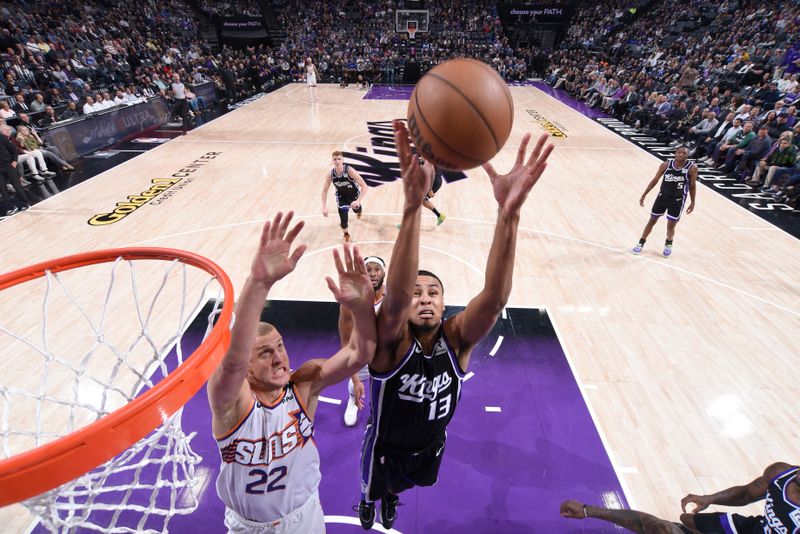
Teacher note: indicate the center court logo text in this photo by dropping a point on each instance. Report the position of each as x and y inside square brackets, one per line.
[383, 165]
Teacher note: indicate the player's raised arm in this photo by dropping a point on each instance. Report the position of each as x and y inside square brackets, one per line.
[510, 191]
[393, 317]
[355, 294]
[228, 391]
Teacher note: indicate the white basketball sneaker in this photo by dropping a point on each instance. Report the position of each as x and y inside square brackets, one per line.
[351, 412]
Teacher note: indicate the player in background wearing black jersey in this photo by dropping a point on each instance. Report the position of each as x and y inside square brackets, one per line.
[350, 190]
[420, 360]
[679, 178]
[779, 485]
[435, 186]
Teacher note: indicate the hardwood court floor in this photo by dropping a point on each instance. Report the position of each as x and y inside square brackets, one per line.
[687, 363]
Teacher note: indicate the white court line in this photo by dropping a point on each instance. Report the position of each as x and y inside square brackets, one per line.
[496, 346]
[347, 520]
[759, 228]
[492, 409]
[377, 242]
[603, 439]
[290, 142]
[329, 400]
[660, 262]
[468, 376]
[34, 209]
[629, 471]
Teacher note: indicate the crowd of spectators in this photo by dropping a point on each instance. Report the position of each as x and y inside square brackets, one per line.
[230, 8]
[720, 78]
[361, 42]
[672, 67]
[87, 57]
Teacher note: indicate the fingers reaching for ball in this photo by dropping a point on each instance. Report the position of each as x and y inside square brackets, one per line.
[511, 190]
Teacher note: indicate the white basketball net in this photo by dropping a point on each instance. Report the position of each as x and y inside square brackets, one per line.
[141, 488]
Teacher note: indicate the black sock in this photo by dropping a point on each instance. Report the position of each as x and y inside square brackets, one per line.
[668, 242]
[435, 212]
[642, 242]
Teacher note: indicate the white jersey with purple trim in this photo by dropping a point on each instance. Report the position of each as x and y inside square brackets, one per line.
[270, 462]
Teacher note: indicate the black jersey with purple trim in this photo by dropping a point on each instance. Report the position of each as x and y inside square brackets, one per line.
[346, 188]
[675, 181]
[780, 514]
[411, 406]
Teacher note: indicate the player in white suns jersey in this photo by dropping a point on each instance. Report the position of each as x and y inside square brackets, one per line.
[262, 413]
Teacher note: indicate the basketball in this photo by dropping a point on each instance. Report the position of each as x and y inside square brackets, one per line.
[460, 114]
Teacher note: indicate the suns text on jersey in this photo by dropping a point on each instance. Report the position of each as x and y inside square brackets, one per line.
[279, 444]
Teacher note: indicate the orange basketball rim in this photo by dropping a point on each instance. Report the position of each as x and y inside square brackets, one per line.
[33, 472]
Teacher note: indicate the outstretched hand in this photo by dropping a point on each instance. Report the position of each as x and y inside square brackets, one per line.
[511, 190]
[273, 260]
[355, 288]
[417, 179]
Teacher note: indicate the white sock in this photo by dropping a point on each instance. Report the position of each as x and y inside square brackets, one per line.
[350, 389]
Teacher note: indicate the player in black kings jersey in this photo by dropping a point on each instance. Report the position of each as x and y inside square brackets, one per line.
[350, 190]
[779, 485]
[421, 359]
[679, 178]
[435, 186]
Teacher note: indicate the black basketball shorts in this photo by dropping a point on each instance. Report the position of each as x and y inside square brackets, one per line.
[390, 471]
[436, 185]
[672, 206]
[725, 523]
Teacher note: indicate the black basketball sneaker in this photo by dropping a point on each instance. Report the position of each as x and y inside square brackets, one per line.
[366, 514]
[388, 510]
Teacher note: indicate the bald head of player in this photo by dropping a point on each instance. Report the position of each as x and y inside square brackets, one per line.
[269, 363]
[427, 304]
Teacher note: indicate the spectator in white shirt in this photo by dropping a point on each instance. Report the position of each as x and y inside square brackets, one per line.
[108, 102]
[5, 110]
[89, 107]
